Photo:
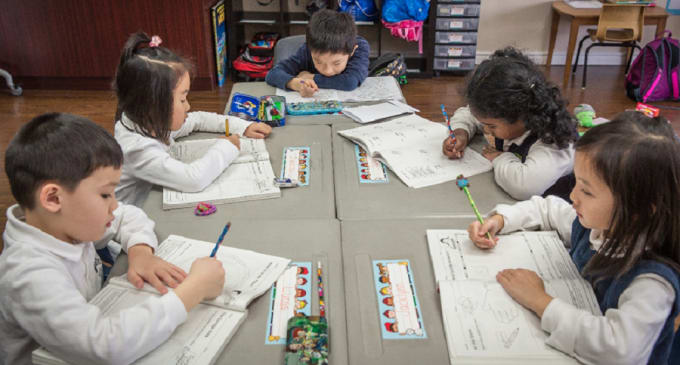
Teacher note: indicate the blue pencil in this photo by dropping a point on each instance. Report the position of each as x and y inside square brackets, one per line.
[448, 123]
[219, 240]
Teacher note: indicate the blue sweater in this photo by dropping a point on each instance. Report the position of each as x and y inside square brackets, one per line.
[354, 74]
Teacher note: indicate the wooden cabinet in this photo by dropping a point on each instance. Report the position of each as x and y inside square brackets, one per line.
[75, 44]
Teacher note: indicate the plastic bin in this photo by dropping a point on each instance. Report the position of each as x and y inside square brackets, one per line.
[454, 64]
[458, 10]
[457, 24]
[455, 51]
[455, 37]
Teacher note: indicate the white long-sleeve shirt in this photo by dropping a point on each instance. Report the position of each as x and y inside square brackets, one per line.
[543, 166]
[623, 335]
[146, 161]
[46, 285]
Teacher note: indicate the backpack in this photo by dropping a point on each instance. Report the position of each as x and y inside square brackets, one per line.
[655, 72]
[389, 64]
[253, 67]
[263, 44]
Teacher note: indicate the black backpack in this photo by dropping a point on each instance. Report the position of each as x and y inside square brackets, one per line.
[389, 64]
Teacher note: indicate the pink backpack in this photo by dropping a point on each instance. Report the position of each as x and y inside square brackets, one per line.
[655, 72]
[408, 29]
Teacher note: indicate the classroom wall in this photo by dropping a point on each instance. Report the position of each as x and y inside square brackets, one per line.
[526, 24]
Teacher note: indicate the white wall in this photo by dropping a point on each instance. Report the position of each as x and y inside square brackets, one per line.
[525, 24]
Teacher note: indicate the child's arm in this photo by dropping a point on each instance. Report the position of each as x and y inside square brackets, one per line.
[543, 166]
[543, 214]
[285, 70]
[134, 231]
[623, 335]
[464, 120]
[211, 122]
[354, 74]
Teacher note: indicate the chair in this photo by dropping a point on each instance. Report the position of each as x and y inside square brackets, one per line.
[618, 26]
[287, 47]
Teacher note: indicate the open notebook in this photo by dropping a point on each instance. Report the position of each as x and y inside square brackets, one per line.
[211, 324]
[248, 177]
[411, 146]
[372, 89]
[483, 324]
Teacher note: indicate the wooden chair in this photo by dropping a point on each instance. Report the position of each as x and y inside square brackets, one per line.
[618, 26]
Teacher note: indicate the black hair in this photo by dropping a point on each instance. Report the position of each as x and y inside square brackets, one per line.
[145, 80]
[509, 86]
[58, 147]
[638, 158]
[331, 31]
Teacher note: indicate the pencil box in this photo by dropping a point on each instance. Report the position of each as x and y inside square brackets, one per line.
[270, 109]
[314, 107]
[306, 340]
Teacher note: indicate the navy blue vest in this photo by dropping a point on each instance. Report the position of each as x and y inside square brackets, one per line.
[562, 187]
[609, 290]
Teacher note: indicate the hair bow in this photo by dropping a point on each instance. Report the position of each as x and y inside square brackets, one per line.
[155, 41]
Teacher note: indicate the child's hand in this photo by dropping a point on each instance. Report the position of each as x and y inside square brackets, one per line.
[306, 75]
[257, 130]
[455, 150]
[209, 275]
[490, 153]
[477, 231]
[145, 266]
[306, 87]
[235, 140]
[526, 287]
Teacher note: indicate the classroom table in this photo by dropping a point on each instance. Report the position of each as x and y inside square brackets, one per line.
[300, 240]
[261, 89]
[393, 200]
[315, 200]
[366, 240]
[578, 17]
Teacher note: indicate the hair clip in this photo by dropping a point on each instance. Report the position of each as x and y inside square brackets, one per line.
[155, 41]
[532, 86]
[204, 208]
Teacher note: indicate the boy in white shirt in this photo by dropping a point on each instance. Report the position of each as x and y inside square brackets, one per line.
[63, 170]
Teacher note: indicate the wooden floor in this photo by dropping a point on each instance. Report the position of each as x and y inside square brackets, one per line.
[605, 93]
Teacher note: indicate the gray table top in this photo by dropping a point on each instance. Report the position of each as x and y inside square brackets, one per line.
[315, 200]
[394, 199]
[365, 241]
[300, 240]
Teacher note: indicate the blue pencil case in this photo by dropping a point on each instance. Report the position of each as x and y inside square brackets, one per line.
[314, 107]
[270, 109]
[244, 106]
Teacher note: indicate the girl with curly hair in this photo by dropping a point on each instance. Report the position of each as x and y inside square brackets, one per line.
[533, 133]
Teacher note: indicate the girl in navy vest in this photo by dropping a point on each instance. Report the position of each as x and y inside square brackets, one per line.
[623, 230]
[510, 100]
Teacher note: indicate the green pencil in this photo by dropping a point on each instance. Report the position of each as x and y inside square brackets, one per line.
[463, 185]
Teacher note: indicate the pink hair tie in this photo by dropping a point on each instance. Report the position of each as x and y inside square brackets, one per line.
[155, 41]
[204, 208]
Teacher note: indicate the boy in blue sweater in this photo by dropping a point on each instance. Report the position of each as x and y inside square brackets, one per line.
[333, 57]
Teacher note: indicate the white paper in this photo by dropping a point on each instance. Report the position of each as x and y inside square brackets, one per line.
[372, 113]
[411, 147]
[284, 302]
[372, 89]
[585, 4]
[480, 318]
[248, 177]
[248, 274]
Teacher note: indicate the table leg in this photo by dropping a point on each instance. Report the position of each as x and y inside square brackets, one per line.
[573, 33]
[553, 35]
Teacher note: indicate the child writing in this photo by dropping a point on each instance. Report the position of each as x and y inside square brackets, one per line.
[49, 269]
[510, 99]
[333, 57]
[623, 229]
[152, 84]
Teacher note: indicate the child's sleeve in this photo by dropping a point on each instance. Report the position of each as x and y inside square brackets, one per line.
[151, 162]
[463, 119]
[46, 303]
[354, 74]
[543, 214]
[543, 166]
[210, 122]
[130, 226]
[623, 335]
[285, 70]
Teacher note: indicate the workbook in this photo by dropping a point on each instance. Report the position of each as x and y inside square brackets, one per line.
[483, 324]
[211, 324]
[248, 177]
[411, 146]
[372, 89]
